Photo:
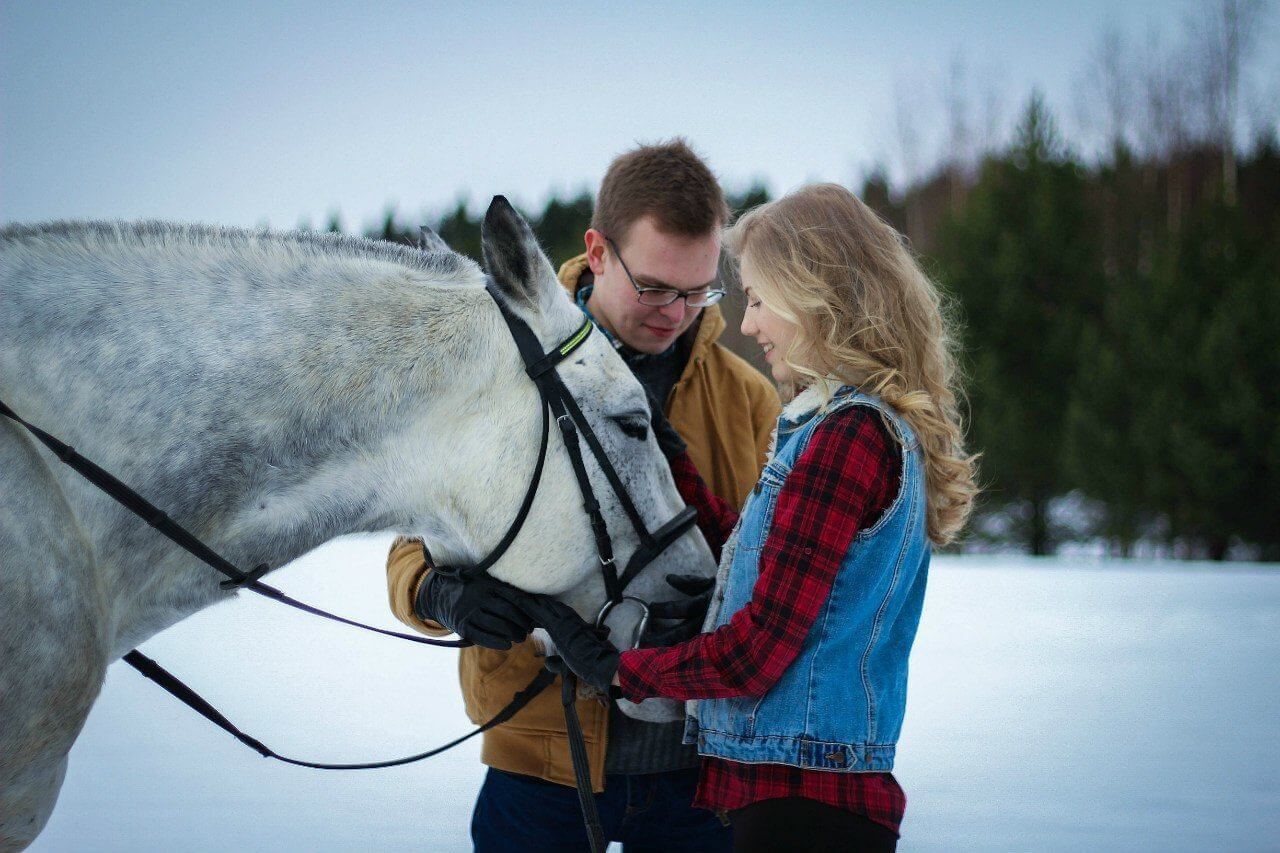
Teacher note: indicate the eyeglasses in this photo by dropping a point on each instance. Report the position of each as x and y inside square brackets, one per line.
[657, 297]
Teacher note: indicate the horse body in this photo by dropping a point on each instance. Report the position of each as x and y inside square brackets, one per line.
[272, 392]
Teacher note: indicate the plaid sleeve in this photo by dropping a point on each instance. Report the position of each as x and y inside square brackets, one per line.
[844, 480]
[725, 785]
[716, 516]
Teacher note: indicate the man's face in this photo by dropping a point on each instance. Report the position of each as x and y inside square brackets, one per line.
[655, 259]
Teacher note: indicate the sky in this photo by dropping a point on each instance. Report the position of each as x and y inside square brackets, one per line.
[247, 113]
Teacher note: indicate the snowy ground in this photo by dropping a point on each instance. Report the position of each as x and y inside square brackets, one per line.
[1055, 705]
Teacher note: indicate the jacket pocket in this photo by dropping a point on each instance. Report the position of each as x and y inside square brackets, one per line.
[491, 677]
[492, 663]
[757, 515]
[735, 715]
[745, 710]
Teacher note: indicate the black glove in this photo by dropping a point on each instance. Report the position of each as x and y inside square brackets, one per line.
[688, 614]
[669, 441]
[584, 648]
[483, 610]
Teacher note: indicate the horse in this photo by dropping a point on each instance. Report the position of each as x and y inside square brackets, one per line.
[270, 392]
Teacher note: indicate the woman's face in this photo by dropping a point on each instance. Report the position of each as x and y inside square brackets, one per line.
[774, 334]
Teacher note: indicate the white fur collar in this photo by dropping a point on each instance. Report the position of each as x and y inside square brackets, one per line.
[810, 399]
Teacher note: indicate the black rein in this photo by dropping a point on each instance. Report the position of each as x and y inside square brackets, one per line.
[557, 401]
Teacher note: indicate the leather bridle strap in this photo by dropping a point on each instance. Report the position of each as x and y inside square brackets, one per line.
[193, 700]
[655, 543]
[570, 408]
[591, 506]
[188, 541]
[581, 763]
[568, 414]
[651, 544]
[543, 364]
[523, 513]
[573, 424]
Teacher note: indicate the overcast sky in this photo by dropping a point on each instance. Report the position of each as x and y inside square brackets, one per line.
[248, 112]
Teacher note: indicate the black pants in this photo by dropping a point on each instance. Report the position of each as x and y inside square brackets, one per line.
[649, 813]
[796, 823]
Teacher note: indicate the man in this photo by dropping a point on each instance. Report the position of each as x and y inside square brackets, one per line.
[648, 279]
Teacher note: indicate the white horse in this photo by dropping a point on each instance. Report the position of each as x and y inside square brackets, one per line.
[272, 392]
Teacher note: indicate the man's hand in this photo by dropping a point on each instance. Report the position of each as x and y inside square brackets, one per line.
[582, 647]
[687, 614]
[482, 610]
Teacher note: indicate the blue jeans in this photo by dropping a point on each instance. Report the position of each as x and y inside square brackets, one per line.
[650, 812]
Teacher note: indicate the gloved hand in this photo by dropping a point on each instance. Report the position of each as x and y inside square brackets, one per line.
[483, 610]
[688, 614]
[585, 649]
[669, 441]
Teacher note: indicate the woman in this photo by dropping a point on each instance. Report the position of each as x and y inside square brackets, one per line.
[802, 677]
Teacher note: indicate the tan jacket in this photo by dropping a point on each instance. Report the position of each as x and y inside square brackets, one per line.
[725, 410]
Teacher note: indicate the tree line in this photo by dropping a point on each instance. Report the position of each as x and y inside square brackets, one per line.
[1120, 311]
[1122, 340]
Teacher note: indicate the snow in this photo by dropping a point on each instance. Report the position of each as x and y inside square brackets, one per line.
[1055, 705]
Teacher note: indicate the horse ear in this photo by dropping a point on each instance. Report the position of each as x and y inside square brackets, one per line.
[513, 257]
[429, 241]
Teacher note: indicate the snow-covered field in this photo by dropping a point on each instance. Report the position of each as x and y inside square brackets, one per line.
[1055, 705]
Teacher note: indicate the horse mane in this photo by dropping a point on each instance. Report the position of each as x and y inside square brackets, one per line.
[349, 320]
[93, 236]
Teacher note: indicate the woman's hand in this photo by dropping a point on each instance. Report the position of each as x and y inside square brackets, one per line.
[584, 648]
[673, 622]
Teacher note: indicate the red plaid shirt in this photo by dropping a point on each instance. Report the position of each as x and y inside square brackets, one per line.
[845, 480]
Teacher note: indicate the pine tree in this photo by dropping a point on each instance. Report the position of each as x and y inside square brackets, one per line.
[561, 225]
[461, 232]
[1020, 255]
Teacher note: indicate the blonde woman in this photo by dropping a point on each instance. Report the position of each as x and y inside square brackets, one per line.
[802, 676]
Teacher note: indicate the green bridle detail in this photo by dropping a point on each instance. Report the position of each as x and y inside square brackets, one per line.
[578, 337]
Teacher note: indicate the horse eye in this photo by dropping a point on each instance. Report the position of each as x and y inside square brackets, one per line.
[633, 426]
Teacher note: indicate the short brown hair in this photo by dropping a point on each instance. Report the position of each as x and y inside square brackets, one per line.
[667, 181]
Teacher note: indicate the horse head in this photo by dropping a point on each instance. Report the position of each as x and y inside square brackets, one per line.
[555, 551]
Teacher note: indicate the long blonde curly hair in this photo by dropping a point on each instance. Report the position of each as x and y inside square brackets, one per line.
[868, 317]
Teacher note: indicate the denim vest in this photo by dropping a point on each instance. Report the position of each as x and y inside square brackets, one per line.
[839, 706]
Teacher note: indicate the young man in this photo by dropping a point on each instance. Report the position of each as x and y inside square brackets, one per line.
[649, 280]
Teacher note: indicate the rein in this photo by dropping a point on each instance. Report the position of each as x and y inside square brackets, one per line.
[189, 542]
[557, 401]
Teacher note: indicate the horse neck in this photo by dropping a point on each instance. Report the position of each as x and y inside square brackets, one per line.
[344, 444]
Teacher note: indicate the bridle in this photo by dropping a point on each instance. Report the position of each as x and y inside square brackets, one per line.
[557, 402]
